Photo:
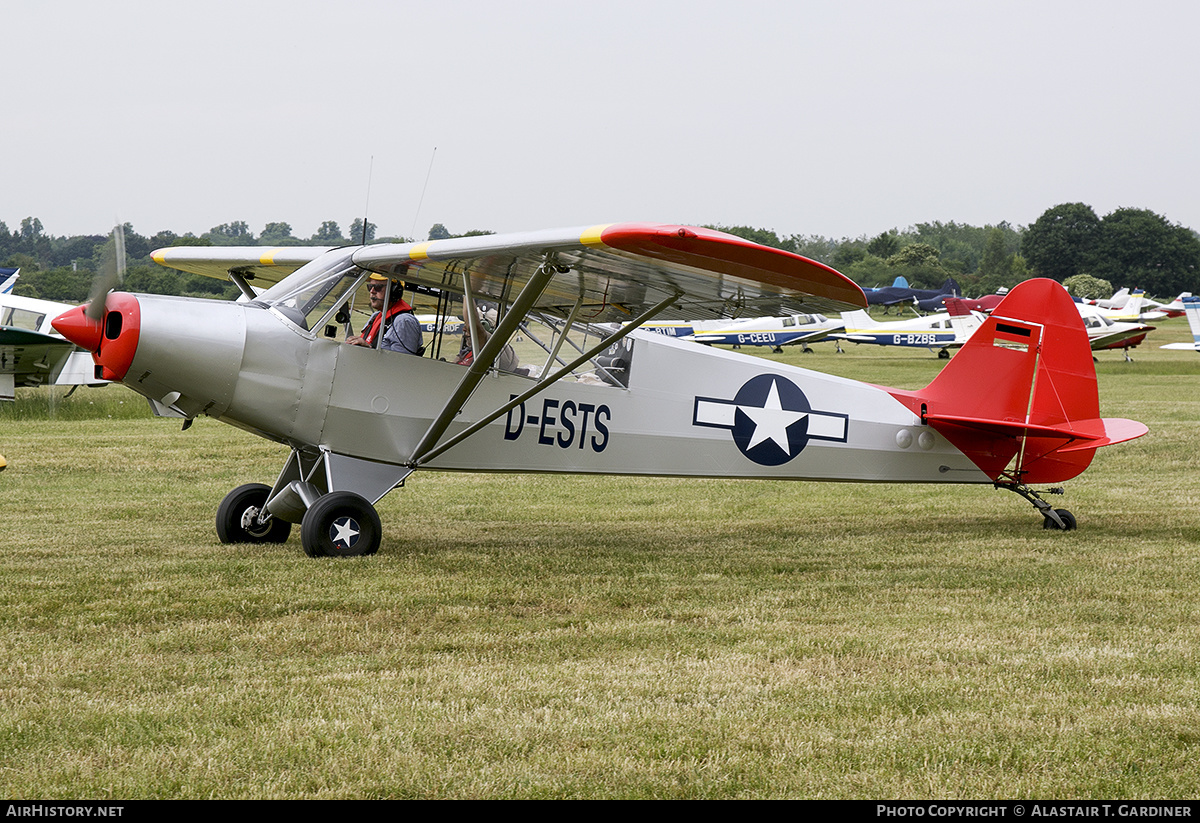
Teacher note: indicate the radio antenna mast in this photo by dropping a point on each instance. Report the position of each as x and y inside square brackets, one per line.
[367, 205]
[423, 188]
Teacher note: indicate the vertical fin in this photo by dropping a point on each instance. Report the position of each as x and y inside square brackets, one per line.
[1028, 364]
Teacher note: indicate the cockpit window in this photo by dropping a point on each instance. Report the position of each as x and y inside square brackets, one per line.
[22, 319]
[315, 290]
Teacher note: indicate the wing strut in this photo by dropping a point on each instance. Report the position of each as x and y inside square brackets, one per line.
[553, 354]
[486, 356]
[562, 338]
[242, 282]
[421, 457]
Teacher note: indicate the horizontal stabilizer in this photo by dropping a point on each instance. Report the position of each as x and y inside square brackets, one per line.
[1079, 434]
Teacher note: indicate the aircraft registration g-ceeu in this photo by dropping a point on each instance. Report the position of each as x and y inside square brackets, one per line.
[1018, 405]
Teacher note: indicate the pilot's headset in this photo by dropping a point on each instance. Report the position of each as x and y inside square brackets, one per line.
[395, 288]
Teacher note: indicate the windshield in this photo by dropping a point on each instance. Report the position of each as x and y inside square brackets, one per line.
[316, 289]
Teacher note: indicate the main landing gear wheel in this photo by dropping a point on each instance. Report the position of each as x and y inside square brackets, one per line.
[341, 524]
[1068, 521]
[238, 517]
[944, 354]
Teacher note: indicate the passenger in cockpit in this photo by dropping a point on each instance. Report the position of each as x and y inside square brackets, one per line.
[507, 361]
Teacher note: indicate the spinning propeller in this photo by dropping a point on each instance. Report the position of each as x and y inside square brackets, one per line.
[110, 275]
[83, 325]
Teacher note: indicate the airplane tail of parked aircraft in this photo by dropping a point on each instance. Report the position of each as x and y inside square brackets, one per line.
[859, 319]
[1020, 398]
[962, 319]
[1191, 307]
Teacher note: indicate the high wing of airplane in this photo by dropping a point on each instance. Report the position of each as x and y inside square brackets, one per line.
[253, 270]
[32, 353]
[1191, 306]
[1018, 406]
[894, 294]
[939, 332]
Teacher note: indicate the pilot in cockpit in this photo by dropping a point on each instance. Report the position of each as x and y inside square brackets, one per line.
[401, 329]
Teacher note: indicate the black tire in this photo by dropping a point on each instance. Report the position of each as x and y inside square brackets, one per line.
[236, 517]
[944, 354]
[341, 524]
[1067, 518]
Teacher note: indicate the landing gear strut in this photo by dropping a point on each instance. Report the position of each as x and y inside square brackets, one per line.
[1052, 518]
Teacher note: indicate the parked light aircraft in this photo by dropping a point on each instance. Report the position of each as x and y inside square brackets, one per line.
[1136, 306]
[1104, 332]
[937, 332]
[32, 353]
[1175, 308]
[901, 292]
[982, 304]
[1018, 406]
[1117, 301]
[776, 332]
[1191, 307]
[1134, 310]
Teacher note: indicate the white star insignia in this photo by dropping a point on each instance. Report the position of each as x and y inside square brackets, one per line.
[771, 422]
[345, 531]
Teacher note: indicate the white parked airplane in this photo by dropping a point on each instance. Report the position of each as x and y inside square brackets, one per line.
[773, 331]
[1106, 332]
[938, 332]
[34, 354]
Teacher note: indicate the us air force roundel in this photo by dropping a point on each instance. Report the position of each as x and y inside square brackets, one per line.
[770, 418]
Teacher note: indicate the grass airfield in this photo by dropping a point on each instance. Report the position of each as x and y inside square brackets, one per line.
[562, 637]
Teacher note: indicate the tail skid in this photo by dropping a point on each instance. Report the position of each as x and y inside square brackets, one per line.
[1020, 398]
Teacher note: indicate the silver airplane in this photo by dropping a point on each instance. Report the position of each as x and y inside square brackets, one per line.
[1017, 406]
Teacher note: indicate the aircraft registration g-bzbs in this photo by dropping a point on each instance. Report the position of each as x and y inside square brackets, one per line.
[937, 332]
[1017, 406]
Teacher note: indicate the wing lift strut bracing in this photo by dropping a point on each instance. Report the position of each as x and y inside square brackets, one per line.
[308, 476]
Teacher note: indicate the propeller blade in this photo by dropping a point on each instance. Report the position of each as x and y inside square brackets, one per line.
[110, 275]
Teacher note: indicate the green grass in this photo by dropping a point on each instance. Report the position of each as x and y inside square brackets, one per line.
[529, 636]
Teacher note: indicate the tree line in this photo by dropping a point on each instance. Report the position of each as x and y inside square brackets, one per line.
[1128, 247]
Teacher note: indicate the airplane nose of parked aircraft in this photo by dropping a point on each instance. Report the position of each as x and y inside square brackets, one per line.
[112, 339]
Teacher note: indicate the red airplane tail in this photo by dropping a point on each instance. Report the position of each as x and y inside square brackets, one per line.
[1020, 397]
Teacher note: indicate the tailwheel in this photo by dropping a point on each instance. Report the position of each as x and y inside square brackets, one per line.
[340, 524]
[1065, 521]
[242, 517]
[1052, 518]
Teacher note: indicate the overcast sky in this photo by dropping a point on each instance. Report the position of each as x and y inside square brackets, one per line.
[839, 119]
